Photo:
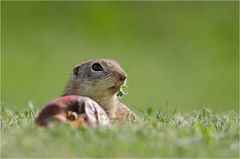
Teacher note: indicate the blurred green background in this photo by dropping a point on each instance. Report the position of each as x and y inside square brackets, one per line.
[180, 54]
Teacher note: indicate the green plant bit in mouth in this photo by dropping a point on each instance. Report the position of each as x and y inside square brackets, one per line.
[122, 91]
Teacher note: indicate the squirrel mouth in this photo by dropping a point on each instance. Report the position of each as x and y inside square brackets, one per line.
[114, 88]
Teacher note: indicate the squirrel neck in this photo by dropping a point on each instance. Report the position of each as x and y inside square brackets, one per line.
[108, 104]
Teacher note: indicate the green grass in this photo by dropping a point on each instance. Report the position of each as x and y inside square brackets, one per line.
[163, 133]
[185, 54]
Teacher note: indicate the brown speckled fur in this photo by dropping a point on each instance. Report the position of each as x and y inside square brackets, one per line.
[95, 84]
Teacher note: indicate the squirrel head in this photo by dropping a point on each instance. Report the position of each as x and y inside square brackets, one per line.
[100, 78]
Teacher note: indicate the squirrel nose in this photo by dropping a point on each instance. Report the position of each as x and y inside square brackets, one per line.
[122, 78]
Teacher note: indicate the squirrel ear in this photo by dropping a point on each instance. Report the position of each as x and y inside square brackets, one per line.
[75, 70]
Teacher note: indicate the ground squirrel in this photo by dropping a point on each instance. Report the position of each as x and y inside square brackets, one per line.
[100, 80]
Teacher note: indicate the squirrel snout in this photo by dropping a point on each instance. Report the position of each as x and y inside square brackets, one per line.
[122, 77]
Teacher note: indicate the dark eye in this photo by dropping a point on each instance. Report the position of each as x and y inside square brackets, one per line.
[97, 67]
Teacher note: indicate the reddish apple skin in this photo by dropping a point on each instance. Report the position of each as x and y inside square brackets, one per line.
[53, 108]
[83, 106]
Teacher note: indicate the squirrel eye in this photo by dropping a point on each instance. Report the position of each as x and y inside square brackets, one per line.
[97, 67]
